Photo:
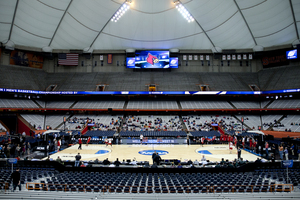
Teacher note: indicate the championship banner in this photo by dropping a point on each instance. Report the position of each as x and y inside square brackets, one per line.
[26, 59]
[109, 59]
[274, 58]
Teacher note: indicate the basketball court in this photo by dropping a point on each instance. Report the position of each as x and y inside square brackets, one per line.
[144, 152]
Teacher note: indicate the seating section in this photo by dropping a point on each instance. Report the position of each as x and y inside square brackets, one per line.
[152, 105]
[48, 179]
[99, 105]
[252, 121]
[59, 104]
[41, 103]
[54, 121]
[117, 182]
[288, 123]
[152, 123]
[205, 105]
[27, 175]
[287, 103]
[203, 122]
[2, 128]
[35, 120]
[153, 134]
[17, 103]
[246, 104]
[35, 79]
[101, 122]
[269, 120]
[264, 103]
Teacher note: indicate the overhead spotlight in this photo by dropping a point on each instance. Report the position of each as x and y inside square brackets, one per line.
[184, 12]
[121, 11]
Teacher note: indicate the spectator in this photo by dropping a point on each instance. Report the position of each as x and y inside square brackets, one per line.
[286, 153]
[77, 160]
[16, 179]
[59, 160]
[106, 162]
[117, 162]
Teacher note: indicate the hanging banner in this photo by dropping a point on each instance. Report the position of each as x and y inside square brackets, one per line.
[207, 57]
[233, 57]
[184, 57]
[190, 57]
[109, 59]
[201, 57]
[239, 56]
[274, 58]
[22, 58]
[224, 57]
[245, 56]
[195, 57]
[228, 57]
[250, 56]
[101, 57]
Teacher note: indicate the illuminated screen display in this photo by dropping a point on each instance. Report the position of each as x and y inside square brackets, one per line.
[152, 59]
[291, 54]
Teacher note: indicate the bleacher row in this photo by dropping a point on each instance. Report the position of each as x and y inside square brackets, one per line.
[165, 123]
[150, 105]
[125, 182]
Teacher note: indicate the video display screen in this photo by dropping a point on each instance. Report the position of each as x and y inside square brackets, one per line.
[152, 59]
[291, 54]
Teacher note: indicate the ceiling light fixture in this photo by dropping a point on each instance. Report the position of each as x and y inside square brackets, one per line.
[121, 11]
[184, 11]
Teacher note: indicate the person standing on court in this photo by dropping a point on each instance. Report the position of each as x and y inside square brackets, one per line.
[153, 156]
[239, 152]
[80, 143]
[141, 138]
[16, 176]
[77, 160]
[88, 141]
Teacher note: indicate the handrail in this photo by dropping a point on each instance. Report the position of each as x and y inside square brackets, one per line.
[6, 185]
[209, 189]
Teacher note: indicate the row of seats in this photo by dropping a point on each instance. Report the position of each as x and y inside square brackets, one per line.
[21, 103]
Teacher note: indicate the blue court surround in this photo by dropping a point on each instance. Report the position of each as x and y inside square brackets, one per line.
[204, 152]
[102, 151]
[150, 152]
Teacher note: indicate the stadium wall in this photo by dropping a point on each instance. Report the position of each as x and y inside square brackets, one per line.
[118, 65]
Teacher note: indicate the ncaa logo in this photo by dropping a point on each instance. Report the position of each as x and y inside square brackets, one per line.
[173, 62]
[130, 62]
[150, 152]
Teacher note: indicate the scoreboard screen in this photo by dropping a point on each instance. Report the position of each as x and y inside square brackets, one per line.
[152, 60]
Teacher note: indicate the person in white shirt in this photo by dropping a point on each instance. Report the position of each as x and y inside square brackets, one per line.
[196, 162]
[141, 138]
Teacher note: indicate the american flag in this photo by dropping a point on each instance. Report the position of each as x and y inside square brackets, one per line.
[70, 59]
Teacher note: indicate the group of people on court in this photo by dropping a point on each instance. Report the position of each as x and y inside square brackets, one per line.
[107, 141]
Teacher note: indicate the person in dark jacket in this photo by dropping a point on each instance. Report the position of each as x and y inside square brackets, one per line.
[16, 179]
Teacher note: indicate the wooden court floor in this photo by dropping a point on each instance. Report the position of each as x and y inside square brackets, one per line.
[182, 152]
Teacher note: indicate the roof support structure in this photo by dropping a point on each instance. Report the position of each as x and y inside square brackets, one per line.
[105, 26]
[202, 29]
[295, 23]
[13, 21]
[245, 22]
[61, 19]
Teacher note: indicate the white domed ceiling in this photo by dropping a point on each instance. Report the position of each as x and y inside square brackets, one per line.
[149, 24]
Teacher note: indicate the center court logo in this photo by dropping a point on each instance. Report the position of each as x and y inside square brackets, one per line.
[102, 151]
[150, 152]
